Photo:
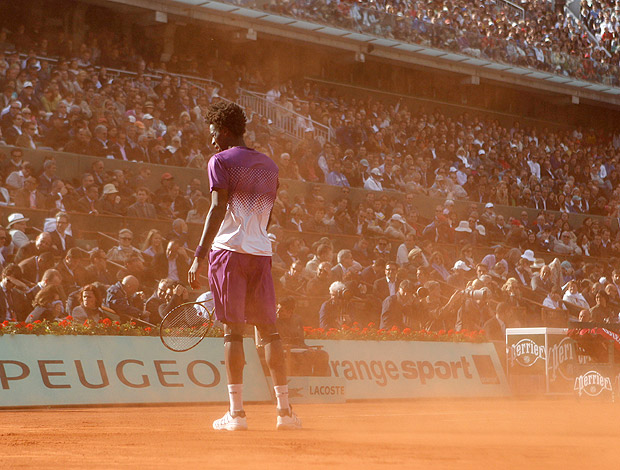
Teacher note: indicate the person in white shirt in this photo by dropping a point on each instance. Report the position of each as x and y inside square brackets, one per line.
[373, 183]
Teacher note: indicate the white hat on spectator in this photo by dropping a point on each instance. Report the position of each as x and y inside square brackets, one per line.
[481, 230]
[27, 85]
[364, 162]
[131, 119]
[147, 116]
[110, 189]
[15, 218]
[528, 255]
[481, 152]
[463, 227]
[461, 265]
[375, 171]
[489, 205]
[398, 218]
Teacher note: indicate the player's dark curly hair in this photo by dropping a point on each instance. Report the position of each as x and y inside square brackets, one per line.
[228, 115]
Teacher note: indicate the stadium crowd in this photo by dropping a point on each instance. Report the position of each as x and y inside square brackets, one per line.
[541, 36]
[380, 260]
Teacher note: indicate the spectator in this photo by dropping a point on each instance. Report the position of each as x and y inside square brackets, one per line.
[16, 178]
[125, 299]
[142, 208]
[13, 304]
[318, 284]
[50, 277]
[17, 227]
[373, 182]
[43, 243]
[99, 143]
[294, 280]
[397, 309]
[90, 306]
[26, 139]
[153, 244]
[47, 177]
[173, 264]
[47, 305]
[34, 267]
[121, 253]
[155, 301]
[30, 196]
[61, 238]
[198, 214]
[110, 202]
[178, 232]
[386, 286]
[98, 270]
[346, 264]
[89, 203]
[72, 269]
[334, 311]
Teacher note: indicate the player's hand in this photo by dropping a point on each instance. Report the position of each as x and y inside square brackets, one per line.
[193, 275]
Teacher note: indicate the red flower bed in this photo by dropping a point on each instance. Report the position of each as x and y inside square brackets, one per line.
[370, 332]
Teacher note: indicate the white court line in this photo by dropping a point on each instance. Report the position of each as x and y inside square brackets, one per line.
[378, 415]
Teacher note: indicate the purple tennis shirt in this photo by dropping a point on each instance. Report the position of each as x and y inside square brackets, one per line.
[251, 179]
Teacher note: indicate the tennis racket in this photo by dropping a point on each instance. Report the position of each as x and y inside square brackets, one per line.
[185, 326]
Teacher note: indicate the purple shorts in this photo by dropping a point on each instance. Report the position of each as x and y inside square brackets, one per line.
[242, 287]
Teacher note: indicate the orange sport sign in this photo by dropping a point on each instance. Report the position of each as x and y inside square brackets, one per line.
[411, 369]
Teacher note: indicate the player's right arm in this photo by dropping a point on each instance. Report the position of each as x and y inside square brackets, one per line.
[217, 211]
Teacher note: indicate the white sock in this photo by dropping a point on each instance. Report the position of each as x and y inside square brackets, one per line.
[282, 396]
[235, 395]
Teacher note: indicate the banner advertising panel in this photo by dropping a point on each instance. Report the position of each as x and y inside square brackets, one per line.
[408, 369]
[72, 370]
[595, 381]
[540, 360]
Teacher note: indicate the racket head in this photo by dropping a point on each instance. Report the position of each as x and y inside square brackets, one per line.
[185, 326]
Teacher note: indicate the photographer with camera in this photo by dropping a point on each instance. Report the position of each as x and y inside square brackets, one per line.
[334, 312]
[467, 309]
[176, 294]
[403, 309]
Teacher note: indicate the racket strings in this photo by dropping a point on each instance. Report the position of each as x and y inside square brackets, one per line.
[185, 326]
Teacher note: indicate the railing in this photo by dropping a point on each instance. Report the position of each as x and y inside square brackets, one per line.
[578, 20]
[289, 122]
[515, 8]
[153, 74]
[285, 120]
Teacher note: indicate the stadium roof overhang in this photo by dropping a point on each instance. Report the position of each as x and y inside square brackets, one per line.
[388, 49]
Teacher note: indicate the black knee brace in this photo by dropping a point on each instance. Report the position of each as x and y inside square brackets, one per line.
[270, 339]
[231, 338]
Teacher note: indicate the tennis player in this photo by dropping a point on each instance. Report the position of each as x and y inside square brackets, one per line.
[243, 184]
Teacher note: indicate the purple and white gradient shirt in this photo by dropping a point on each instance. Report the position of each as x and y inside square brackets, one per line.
[251, 179]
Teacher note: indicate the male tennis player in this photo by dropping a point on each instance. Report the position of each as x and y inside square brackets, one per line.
[243, 184]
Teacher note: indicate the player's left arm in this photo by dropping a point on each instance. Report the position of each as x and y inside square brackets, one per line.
[217, 211]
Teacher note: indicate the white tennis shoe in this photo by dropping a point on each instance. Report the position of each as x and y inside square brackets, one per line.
[235, 421]
[287, 420]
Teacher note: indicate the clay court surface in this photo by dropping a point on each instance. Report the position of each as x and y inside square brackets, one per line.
[437, 434]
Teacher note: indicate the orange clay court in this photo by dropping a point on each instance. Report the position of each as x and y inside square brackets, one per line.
[485, 434]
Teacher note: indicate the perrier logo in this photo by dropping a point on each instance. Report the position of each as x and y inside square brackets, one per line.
[592, 383]
[526, 352]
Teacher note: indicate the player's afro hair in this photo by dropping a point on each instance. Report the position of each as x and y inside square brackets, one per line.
[228, 115]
